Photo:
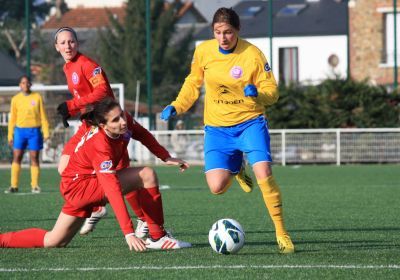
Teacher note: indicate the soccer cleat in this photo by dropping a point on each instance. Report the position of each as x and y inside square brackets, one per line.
[90, 223]
[142, 230]
[244, 179]
[11, 190]
[167, 242]
[285, 244]
[36, 189]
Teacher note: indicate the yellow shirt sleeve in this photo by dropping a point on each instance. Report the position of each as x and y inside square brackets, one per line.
[43, 119]
[265, 82]
[190, 90]
[12, 120]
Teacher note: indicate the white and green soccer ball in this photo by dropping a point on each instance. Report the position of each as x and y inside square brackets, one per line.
[226, 236]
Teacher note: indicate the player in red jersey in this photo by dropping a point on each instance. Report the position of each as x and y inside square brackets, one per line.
[91, 179]
[88, 83]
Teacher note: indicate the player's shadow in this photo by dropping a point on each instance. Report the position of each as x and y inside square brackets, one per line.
[396, 229]
[358, 229]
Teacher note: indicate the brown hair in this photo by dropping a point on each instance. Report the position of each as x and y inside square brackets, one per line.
[100, 110]
[227, 15]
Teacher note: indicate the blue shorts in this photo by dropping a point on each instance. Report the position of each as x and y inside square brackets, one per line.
[224, 146]
[28, 137]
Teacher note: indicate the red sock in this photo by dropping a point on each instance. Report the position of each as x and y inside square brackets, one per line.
[27, 238]
[133, 200]
[151, 202]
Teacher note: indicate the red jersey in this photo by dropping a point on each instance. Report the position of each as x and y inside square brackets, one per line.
[137, 132]
[87, 83]
[97, 155]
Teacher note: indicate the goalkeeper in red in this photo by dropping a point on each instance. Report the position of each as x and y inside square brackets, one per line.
[238, 84]
[91, 180]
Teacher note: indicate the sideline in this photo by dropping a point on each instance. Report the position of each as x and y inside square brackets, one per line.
[210, 267]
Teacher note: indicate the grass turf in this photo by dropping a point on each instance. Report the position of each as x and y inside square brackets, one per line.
[343, 220]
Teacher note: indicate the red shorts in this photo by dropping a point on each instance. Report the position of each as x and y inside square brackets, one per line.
[81, 196]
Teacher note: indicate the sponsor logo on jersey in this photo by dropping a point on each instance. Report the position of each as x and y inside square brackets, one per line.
[96, 71]
[222, 89]
[97, 80]
[267, 67]
[229, 102]
[105, 166]
[236, 72]
[75, 78]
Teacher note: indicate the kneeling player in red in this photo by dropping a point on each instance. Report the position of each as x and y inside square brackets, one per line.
[91, 180]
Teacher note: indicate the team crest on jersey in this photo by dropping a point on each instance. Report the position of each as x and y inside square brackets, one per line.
[236, 72]
[267, 67]
[33, 103]
[75, 78]
[96, 71]
[105, 166]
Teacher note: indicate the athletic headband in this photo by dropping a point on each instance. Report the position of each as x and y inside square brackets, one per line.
[66, 28]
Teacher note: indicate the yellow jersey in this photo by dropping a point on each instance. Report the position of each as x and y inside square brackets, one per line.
[225, 77]
[27, 110]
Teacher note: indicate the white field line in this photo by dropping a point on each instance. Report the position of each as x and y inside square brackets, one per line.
[202, 267]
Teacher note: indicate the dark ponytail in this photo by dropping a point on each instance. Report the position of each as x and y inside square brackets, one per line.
[100, 110]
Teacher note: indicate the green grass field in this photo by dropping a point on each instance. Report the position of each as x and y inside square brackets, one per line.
[343, 220]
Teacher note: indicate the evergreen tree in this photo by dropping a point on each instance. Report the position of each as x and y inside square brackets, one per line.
[122, 48]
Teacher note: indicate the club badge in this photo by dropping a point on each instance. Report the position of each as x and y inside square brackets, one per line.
[236, 72]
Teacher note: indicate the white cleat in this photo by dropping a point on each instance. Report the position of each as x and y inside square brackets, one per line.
[90, 223]
[167, 242]
[142, 230]
[36, 189]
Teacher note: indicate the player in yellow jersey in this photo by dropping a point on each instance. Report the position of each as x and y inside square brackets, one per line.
[238, 85]
[27, 122]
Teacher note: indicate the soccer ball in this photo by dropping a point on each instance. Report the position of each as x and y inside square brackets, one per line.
[226, 236]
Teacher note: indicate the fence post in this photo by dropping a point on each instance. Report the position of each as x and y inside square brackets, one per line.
[283, 147]
[338, 147]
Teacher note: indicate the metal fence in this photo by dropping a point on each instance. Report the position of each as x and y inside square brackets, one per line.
[295, 146]
[288, 146]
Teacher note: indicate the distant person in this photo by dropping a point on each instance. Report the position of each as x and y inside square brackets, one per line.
[238, 85]
[91, 179]
[179, 141]
[27, 128]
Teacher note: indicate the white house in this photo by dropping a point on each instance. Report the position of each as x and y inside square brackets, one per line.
[309, 37]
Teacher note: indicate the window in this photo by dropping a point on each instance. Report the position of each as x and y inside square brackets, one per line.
[291, 10]
[288, 65]
[388, 38]
[251, 11]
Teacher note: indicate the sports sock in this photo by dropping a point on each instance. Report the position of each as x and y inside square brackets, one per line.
[27, 238]
[151, 202]
[35, 173]
[15, 171]
[272, 198]
[133, 200]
